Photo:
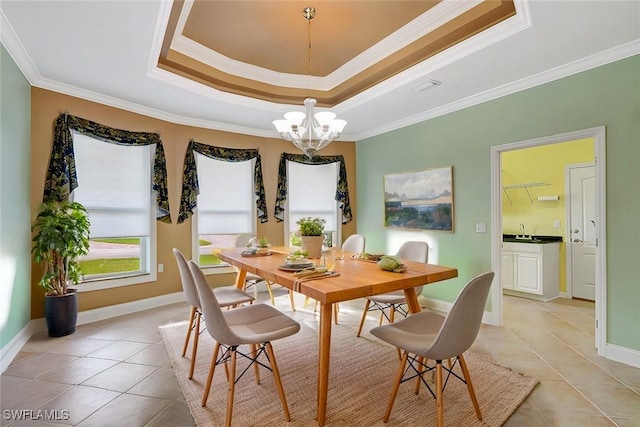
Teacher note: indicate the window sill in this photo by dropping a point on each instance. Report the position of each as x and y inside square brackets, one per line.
[116, 282]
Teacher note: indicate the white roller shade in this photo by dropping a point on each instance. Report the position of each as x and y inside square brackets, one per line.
[226, 199]
[312, 192]
[114, 184]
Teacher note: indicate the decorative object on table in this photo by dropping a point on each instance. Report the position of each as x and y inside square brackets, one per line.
[419, 200]
[61, 237]
[363, 256]
[263, 245]
[311, 231]
[308, 131]
[391, 263]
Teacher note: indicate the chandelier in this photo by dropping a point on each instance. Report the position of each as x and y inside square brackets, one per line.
[309, 131]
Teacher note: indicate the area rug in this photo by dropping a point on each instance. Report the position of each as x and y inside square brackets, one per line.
[361, 376]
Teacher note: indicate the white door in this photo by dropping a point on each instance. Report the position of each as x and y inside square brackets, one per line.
[582, 232]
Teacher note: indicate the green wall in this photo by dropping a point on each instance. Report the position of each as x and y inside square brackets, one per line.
[607, 95]
[15, 235]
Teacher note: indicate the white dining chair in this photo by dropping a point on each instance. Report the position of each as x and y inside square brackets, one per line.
[227, 296]
[254, 325]
[395, 301]
[428, 336]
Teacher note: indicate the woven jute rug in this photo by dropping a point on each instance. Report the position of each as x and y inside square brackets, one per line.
[361, 376]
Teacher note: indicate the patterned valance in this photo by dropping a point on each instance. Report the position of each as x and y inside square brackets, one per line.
[190, 187]
[342, 190]
[62, 178]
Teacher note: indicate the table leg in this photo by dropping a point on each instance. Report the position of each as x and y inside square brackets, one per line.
[324, 346]
[412, 300]
[241, 279]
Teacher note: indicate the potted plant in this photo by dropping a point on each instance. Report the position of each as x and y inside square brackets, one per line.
[61, 236]
[263, 245]
[311, 233]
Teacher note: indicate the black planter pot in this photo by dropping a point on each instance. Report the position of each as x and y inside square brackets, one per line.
[61, 314]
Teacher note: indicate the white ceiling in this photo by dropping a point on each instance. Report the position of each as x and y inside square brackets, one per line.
[107, 51]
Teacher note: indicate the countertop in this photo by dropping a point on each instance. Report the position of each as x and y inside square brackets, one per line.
[538, 239]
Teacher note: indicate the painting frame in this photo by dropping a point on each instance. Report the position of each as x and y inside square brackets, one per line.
[419, 200]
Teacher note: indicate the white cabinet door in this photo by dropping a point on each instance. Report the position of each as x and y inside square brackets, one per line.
[507, 270]
[528, 273]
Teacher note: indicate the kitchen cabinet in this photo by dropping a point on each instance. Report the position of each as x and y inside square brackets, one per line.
[531, 270]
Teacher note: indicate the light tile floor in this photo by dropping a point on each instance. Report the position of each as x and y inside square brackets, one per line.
[116, 372]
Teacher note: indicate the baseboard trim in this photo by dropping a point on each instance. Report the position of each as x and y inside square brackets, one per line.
[35, 326]
[108, 312]
[13, 347]
[623, 355]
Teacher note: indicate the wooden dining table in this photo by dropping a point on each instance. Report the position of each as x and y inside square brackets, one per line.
[355, 279]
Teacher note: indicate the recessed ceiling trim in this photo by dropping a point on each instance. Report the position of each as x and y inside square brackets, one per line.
[434, 18]
[517, 23]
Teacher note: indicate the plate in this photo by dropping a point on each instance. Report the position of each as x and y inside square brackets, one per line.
[294, 267]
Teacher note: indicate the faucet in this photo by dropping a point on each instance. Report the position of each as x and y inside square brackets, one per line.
[522, 230]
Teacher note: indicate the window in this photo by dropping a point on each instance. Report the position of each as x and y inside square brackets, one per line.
[115, 188]
[225, 206]
[312, 192]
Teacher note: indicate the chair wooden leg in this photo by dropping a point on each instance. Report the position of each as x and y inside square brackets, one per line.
[364, 316]
[392, 313]
[396, 386]
[273, 301]
[293, 304]
[472, 393]
[421, 363]
[256, 367]
[194, 351]
[232, 388]
[192, 317]
[381, 317]
[276, 377]
[212, 368]
[439, 397]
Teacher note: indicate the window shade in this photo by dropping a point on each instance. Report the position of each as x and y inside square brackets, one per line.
[226, 199]
[114, 186]
[312, 192]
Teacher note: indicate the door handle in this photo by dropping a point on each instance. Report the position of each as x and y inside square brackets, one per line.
[576, 231]
[578, 241]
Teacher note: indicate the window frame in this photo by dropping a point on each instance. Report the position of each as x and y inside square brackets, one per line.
[149, 257]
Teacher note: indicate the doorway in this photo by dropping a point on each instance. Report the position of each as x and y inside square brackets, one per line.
[598, 136]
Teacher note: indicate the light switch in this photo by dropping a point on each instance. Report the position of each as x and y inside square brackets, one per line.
[160, 268]
[481, 227]
[556, 223]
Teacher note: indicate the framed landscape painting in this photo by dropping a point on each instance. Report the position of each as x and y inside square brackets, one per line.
[419, 200]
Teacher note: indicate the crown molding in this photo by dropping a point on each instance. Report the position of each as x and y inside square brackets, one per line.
[593, 61]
